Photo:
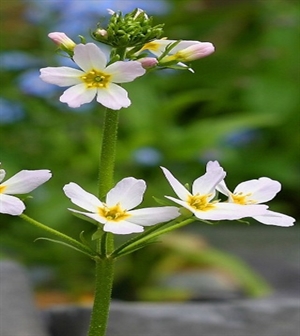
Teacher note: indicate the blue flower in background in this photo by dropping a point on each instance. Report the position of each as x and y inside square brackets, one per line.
[241, 137]
[10, 111]
[30, 83]
[17, 60]
[147, 156]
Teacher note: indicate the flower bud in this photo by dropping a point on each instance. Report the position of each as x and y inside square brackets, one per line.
[63, 41]
[191, 53]
[148, 62]
[129, 30]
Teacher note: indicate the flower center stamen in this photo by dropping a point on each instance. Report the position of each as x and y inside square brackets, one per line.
[200, 202]
[95, 79]
[115, 213]
[2, 188]
[242, 199]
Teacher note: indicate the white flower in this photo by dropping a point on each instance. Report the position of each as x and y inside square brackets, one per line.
[184, 51]
[95, 78]
[201, 200]
[116, 213]
[21, 183]
[255, 192]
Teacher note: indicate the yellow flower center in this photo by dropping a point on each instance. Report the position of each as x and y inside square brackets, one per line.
[96, 79]
[115, 213]
[2, 188]
[241, 198]
[200, 202]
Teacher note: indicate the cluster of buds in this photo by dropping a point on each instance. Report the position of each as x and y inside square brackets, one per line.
[131, 30]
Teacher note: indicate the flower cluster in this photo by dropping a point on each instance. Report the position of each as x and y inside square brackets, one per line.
[116, 212]
[244, 202]
[135, 47]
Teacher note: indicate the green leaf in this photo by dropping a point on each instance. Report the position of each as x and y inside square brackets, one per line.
[65, 244]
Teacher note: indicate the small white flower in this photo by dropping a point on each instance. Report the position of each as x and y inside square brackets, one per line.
[201, 200]
[116, 212]
[21, 183]
[253, 192]
[95, 78]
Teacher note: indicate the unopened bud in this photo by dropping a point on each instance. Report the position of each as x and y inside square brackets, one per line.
[148, 62]
[62, 40]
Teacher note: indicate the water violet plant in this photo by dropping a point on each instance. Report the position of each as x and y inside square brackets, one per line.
[136, 47]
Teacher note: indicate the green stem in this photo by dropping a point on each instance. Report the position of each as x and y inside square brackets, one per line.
[104, 282]
[105, 246]
[108, 152]
[83, 248]
[148, 235]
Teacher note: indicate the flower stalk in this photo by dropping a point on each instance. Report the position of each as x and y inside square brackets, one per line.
[108, 152]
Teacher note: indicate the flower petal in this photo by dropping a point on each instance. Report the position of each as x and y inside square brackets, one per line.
[89, 56]
[229, 211]
[122, 228]
[93, 216]
[179, 189]
[275, 218]
[157, 47]
[26, 180]
[262, 190]
[207, 183]
[81, 197]
[11, 205]
[77, 95]
[61, 76]
[113, 97]
[128, 193]
[151, 216]
[123, 72]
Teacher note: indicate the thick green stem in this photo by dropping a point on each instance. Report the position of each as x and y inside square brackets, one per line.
[105, 246]
[108, 152]
[104, 282]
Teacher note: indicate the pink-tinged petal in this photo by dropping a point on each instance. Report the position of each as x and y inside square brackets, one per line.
[151, 216]
[229, 211]
[82, 198]
[62, 39]
[11, 205]
[122, 228]
[61, 76]
[196, 51]
[113, 97]
[207, 183]
[89, 56]
[212, 165]
[25, 181]
[262, 190]
[128, 193]
[178, 188]
[78, 95]
[148, 62]
[275, 218]
[123, 72]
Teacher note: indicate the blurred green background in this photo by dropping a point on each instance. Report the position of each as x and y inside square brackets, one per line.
[241, 107]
